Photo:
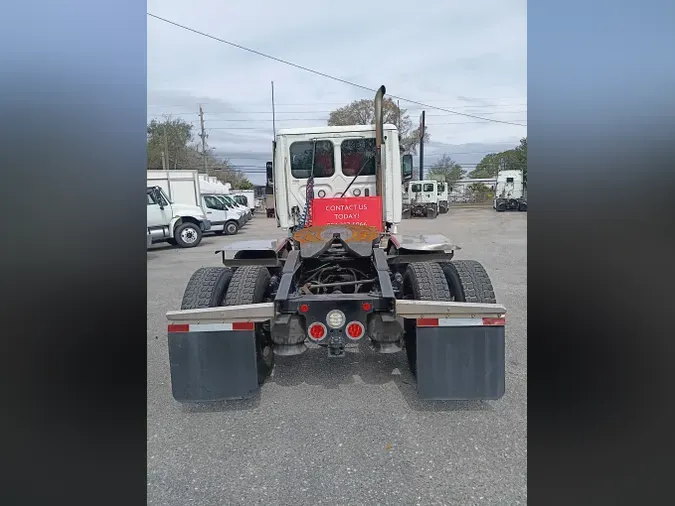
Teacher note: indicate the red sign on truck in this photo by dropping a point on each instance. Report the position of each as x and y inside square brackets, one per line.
[348, 210]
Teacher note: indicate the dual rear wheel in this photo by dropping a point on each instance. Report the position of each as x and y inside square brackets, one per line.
[220, 286]
[457, 280]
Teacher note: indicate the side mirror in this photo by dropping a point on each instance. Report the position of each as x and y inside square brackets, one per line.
[270, 176]
[406, 167]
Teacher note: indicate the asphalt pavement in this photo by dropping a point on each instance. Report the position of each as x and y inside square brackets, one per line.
[343, 431]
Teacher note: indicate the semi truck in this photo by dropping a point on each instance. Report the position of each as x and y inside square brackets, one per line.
[509, 191]
[422, 198]
[339, 274]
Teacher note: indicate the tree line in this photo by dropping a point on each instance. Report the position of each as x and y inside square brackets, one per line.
[171, 143]
[446, 169]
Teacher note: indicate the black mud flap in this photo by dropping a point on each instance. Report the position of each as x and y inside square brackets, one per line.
[460, 363]
[213, 365]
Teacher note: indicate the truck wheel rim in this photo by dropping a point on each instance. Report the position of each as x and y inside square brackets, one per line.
[188, 235]
[231, 229]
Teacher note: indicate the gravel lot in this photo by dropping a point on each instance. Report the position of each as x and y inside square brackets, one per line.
[346, 431]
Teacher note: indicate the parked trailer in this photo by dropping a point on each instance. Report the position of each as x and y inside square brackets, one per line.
[341, 274]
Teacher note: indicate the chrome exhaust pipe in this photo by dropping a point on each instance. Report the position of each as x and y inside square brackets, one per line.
[379, 127]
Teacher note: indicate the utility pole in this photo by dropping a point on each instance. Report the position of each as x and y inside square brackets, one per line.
[274, 122]
[422, 146]
[203, 135]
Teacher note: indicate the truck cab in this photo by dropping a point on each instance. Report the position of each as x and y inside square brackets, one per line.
[335, 162]
[422, 198]
[510, 191]
[178, 224]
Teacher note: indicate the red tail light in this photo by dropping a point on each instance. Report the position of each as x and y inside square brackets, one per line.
[355, 330]
[317, 331]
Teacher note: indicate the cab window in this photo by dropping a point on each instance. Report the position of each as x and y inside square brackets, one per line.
[153, 201]
[428, 187]
[357, 153]
[213, 203]
[441, 187]
[416, 188]
[301, 159]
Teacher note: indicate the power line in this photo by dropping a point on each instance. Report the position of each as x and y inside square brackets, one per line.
[299, 112]
[454, 106]
[327, 76]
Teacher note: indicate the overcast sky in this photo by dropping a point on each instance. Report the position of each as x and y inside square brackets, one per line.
[466, 56]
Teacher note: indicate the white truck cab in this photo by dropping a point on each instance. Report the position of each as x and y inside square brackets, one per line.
[510, 191]
[343, 161]
[443, 202]
[223, 217]
[422, 198]
[178, 224]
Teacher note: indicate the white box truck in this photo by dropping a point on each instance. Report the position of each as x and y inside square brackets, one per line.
[174, 212]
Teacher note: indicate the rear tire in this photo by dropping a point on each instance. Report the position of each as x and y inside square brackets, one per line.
[187, 235]
[250, 284]
[421, 281]
[468, 281]
[206, 288]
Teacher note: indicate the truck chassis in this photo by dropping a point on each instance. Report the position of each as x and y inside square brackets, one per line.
[505, 204]
[429, 210]
[335, 286]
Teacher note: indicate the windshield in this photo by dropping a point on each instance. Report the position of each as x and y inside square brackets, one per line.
[225, 202]
[428, 187]
[441, 187]
[416, 188]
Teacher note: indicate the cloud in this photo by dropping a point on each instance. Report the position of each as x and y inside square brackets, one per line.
[468, 56]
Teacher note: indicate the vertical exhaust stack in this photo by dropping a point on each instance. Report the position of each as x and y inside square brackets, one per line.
[379, 127]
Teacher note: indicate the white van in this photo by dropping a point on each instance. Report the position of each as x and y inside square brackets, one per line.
[245, 210]
[223, 217]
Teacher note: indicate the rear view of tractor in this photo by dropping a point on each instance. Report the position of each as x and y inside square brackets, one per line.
[341, 276]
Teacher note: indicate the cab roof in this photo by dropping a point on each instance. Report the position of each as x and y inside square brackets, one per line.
[333, 129]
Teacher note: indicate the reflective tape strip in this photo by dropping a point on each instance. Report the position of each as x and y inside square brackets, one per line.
[210, 327]
[461, 322]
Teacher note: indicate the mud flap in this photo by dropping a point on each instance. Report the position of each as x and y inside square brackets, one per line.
[213, 365]
[460, 363]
